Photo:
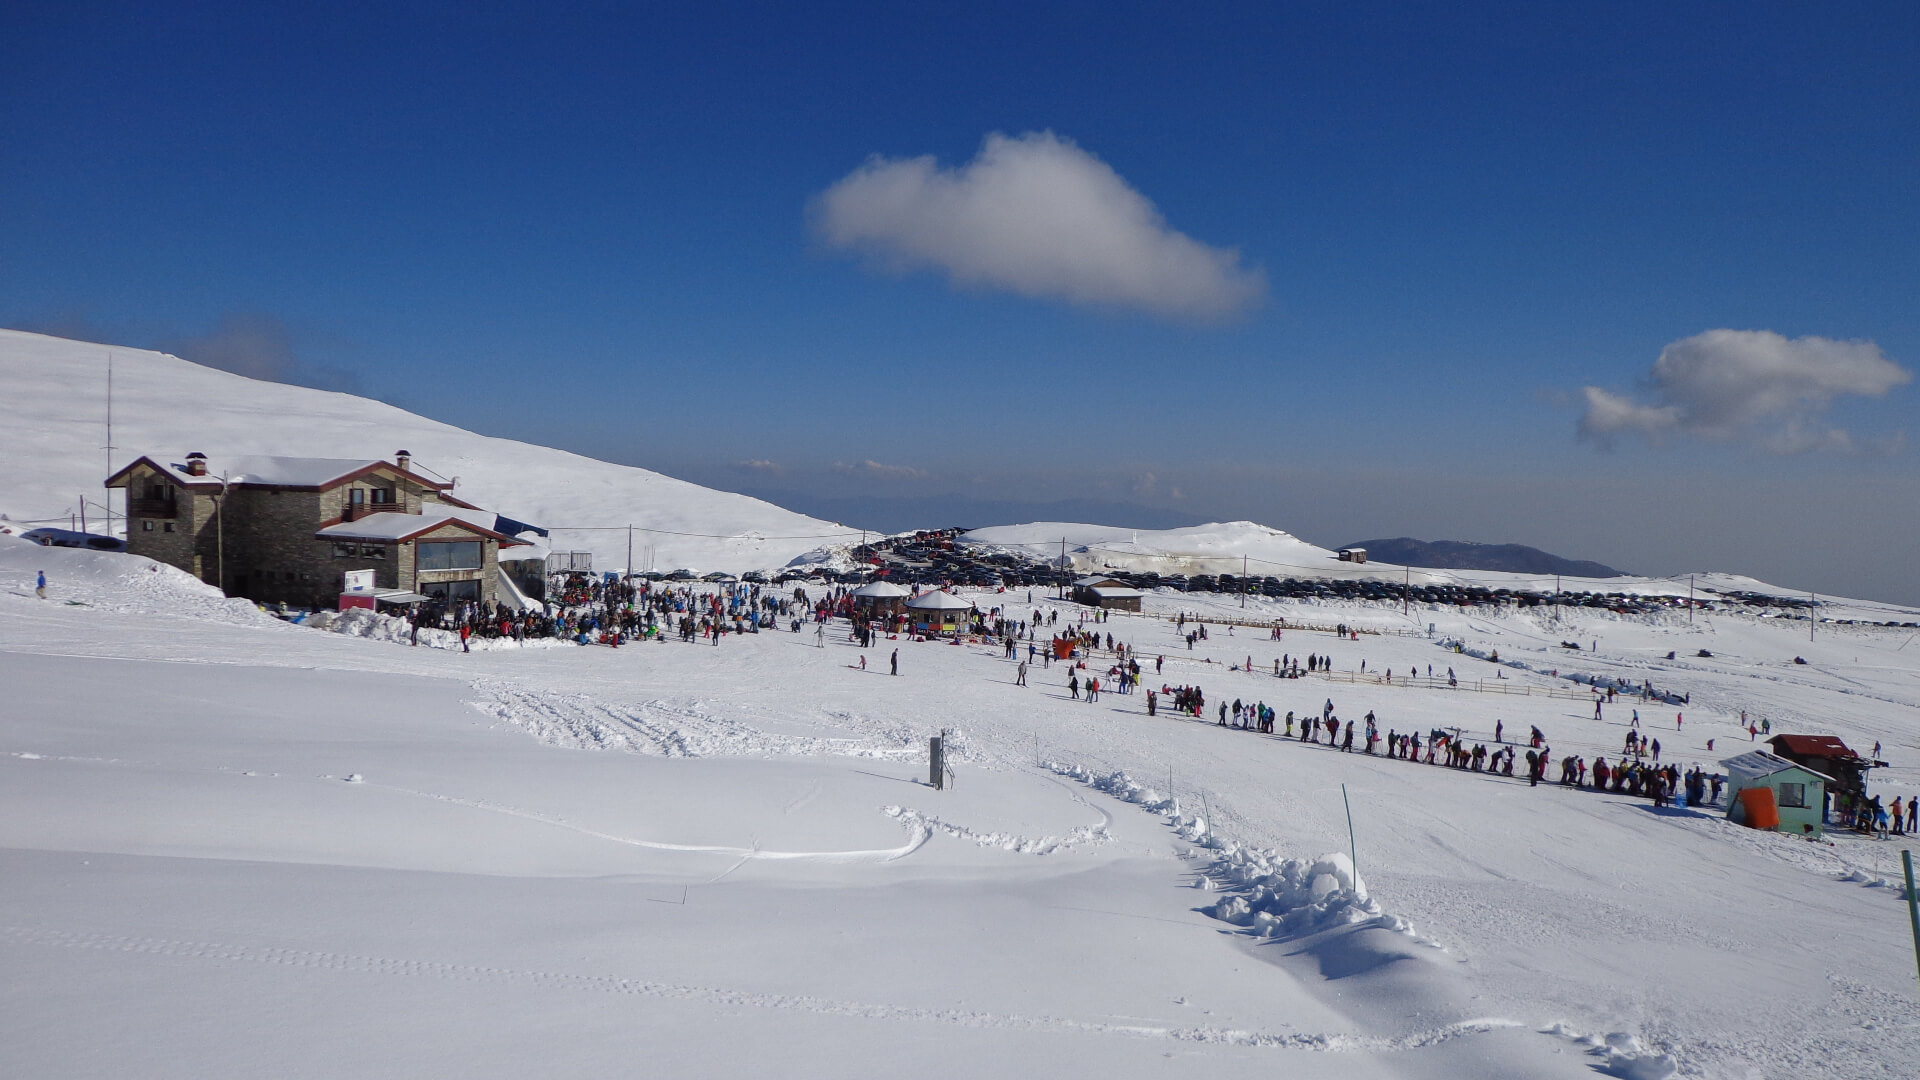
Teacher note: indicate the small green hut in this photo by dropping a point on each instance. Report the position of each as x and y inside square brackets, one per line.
[1780, 795]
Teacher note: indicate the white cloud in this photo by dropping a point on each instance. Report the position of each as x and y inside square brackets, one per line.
[760, 465]
[875, 468]
[1038, 216]
[1748, 384]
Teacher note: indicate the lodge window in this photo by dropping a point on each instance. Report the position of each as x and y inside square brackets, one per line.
[381, 496]
[359, 551]
[146, 526]
[1793, 795]
[452, 590]
[169, 526]
[450, 555]
[345, 551]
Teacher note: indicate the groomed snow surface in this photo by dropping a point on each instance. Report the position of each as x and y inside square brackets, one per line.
[231, 846]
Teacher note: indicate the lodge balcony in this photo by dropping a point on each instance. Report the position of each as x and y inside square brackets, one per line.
[356, 511]
[153, 508]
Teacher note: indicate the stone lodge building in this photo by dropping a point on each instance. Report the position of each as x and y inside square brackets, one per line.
[285, 530]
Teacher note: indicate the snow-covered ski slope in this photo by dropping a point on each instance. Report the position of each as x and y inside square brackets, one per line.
[264, 849]
[53, 428]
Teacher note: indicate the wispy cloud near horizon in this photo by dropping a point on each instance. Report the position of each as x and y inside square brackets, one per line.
[874, 468]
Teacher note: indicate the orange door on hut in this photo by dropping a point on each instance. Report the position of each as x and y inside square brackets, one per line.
[1763, 811]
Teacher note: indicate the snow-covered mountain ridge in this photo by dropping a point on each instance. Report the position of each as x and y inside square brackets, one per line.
[53, 427]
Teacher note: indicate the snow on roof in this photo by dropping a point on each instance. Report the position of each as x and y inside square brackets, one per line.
[938, 600]
[1106, 593]
[1758, 763]
[1093, 580]
[882, 590]
[249, 469]
[393, 526]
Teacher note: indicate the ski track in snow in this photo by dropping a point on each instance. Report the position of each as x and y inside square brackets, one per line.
[348, 963]
[1081, 837]
[662, 729]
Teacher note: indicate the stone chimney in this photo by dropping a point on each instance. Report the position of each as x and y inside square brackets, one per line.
[196, 464]
[404, 460]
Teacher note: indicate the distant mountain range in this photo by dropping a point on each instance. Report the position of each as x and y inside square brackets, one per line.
[1464, 555]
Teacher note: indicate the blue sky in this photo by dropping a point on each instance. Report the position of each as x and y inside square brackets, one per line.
[603, 228]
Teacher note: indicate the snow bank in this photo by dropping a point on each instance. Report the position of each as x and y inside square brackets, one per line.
[362, 623]
[1272, 896]
[1620, 1054]
[1280, 897]
[119, 583]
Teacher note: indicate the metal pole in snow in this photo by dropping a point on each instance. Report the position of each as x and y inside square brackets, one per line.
[1813, 614]
[1353, 849]
[1913, 903]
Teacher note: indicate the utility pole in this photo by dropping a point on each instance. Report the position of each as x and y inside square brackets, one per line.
[109, 448]
[1689, 599]
[1813, 614]
[1243, 581]
[629, 551]
[1063, 568]
[1406, 593]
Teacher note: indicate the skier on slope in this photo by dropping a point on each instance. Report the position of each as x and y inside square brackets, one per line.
[40, 585]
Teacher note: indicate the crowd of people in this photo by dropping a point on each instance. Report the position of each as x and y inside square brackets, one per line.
[613, 612]
[599, 612]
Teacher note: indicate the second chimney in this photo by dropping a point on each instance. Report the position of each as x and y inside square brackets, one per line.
[404, 460]
[196, 464]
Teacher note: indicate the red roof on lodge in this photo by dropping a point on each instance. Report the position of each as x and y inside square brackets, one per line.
[1827, 746]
